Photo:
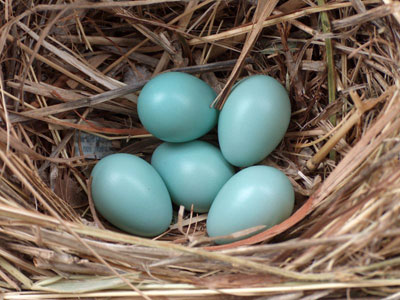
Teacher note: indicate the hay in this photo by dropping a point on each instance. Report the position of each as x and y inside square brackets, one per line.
[74, 68]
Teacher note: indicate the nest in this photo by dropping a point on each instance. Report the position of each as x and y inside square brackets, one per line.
[70, 73]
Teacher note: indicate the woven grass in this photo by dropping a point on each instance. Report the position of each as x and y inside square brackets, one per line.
[74, 67]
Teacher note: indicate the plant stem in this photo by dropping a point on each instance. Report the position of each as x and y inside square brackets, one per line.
[326, 28]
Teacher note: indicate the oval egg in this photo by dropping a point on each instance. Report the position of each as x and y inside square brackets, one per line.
[258, 195]
[175, 107]
[253, 120]
[193, 172]
[131, 195]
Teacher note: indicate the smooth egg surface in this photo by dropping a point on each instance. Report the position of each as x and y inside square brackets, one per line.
[131, 195]
[175, 107]
[193, 172]
[253, 120]
[258, 195]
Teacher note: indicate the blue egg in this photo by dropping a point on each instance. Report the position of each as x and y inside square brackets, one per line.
[194, 172]
[253, 120]
[255, 196]
[175, 107]
[131, 195]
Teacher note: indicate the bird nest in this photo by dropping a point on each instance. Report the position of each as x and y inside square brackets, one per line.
[70, 74]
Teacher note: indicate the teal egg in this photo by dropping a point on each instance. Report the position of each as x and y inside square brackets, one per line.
[175, 107]
[255, 196]
[253, 120]
[193, 172]
[129, 193]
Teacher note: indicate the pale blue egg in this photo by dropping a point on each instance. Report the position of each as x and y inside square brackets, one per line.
[253, 120]
[131, 195]
[194, 172]
[258, 195]
[175, 107]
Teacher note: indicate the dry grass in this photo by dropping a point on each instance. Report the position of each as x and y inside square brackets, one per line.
[74, 67]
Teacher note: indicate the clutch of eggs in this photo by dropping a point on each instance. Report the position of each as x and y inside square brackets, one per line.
[137, 197]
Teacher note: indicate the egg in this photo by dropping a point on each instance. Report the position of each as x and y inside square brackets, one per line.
[131, 195]
[193, 172]
[175, 107]
[253, 120]
[255, 196]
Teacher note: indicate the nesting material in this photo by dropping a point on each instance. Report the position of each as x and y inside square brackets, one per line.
[69, 69]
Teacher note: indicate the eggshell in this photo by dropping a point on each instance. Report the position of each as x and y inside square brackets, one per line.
[255, 196]
[175, 107]
[194, 172]
[253, 120]
[130, 194]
